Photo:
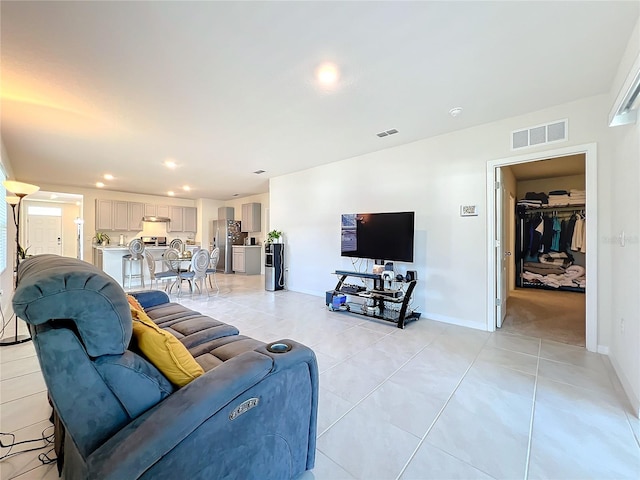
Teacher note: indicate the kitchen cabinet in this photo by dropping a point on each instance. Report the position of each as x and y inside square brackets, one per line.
[175, 214]
[162, 210]
[150, 209]
[190, 219]
[104, 215]
[251, 217]
[116, 215]
[246, 259]
[120, 215]
[136, 212]
[112, 215]
[153, 210]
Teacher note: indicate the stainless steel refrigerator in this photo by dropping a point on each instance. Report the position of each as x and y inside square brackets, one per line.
[226, 233]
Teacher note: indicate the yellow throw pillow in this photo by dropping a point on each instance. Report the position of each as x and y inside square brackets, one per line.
[164, 350]
[134, 303]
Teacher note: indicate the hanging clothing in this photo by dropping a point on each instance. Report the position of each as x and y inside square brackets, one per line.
[557, 229]
[578, 238]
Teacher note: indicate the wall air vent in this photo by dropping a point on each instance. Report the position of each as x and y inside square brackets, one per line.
[386, 133]
[540, 135]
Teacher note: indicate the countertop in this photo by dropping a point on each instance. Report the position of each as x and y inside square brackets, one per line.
[247, 246]
[147, 247]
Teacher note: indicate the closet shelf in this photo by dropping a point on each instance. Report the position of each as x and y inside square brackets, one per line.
[565, 208]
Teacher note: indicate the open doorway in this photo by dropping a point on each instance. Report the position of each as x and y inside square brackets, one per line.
[53, 224]
[537, 304]
[547, 299]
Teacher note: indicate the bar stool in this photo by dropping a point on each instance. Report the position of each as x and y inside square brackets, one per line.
[135, 256]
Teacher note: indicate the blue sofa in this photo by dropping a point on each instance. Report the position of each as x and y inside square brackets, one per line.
[251, 415]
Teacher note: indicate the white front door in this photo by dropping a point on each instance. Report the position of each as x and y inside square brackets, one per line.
[44, 234]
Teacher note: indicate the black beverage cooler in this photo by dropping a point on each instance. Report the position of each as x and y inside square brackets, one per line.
[274, 266]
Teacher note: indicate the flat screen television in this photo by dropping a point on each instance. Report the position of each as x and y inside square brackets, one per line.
[379, 236]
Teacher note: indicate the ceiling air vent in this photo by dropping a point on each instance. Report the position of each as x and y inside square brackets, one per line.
[386, 133]
[540, 135]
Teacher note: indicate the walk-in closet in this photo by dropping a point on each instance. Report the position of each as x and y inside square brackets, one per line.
[547, 221]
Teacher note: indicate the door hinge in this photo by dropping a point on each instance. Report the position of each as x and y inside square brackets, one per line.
[498, 302]
[497, 185]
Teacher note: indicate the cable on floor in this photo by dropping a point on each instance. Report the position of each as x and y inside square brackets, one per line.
[43, 457]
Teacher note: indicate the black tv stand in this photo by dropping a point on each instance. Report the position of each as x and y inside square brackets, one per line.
[378, 300]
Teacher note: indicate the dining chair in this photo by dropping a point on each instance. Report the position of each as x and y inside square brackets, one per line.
[213, 264]
[158, 276]
[172, 263]
[176, 243]
[197, 272]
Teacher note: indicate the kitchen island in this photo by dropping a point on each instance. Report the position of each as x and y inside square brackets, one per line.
[109, 259]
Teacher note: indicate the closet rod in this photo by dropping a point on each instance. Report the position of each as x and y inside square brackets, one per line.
[567, 208]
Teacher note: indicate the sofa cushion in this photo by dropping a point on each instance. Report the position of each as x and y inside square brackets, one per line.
[190, 327]
[164, 350]
[120, 372]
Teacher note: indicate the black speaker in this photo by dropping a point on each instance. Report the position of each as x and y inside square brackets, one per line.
[411, 275]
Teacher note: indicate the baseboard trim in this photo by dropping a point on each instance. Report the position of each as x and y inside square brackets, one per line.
[455, 321]
[626, 386]
[603, 349]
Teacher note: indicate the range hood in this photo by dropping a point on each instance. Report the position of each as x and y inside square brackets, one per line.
[154, 219]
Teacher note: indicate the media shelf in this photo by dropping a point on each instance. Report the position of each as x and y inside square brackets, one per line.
[388, 304]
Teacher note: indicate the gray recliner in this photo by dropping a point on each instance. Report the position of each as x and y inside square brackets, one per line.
[251, 415]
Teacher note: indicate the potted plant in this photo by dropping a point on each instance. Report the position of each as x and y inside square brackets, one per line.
[22, 252]
[102, 238]
[274, 236]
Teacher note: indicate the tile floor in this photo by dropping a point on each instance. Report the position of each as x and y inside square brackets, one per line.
[433, 401]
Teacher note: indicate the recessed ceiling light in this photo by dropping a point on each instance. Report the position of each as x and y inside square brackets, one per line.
[99, 184]
[170, 193]
[327, 74]
[108, 176]
[170, 164]
[235, 194]
[454, 112]
[258, 172]
[186, 188]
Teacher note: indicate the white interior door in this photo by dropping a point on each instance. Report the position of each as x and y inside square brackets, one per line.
[44, 234]
[501, 253]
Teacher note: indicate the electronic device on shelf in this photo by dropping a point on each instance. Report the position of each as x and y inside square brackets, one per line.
[391, 305]
[349, 288]
[388, 293]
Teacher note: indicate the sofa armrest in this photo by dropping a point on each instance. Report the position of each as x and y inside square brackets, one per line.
[143, 442]
[150, 298]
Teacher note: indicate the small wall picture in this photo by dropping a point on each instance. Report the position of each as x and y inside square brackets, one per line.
[468, 210]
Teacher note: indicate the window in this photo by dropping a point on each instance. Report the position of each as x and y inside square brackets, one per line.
[45, 211]
[3, 222]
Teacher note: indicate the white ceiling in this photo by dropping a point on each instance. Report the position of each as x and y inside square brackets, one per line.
[227, 88]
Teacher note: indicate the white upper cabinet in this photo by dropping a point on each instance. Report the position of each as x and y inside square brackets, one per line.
[251, 217]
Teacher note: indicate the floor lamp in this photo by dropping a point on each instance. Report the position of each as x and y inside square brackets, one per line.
[19, 190]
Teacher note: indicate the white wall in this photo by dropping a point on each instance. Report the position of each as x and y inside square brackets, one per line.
[433, 177]
[624, 183]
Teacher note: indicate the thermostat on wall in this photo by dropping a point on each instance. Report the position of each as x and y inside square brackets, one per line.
[468, 210]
